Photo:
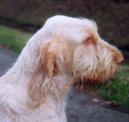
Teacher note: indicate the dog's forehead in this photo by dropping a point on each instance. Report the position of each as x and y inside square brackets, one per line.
[64, 20]
[75, 29]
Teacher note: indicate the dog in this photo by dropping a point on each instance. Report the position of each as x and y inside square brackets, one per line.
[64, 51]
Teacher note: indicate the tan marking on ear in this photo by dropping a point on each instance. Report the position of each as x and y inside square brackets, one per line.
[37, 90]
[51, 64]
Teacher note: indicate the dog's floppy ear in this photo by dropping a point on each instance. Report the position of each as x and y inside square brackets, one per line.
[40, 83]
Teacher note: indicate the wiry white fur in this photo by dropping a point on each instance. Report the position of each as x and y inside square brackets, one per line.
[14, 84]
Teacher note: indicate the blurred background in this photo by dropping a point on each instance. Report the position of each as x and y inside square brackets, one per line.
[19, 19]
[112, 16]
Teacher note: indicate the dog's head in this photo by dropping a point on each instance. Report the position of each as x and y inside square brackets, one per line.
[74, 48]
[94, 60]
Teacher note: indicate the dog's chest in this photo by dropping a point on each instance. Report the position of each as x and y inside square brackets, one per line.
[14, 108]
[13, 96]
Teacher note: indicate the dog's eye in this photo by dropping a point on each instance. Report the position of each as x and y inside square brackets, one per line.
[89, 41]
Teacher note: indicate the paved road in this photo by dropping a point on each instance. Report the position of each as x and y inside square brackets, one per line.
[78, 109]
[7, 58]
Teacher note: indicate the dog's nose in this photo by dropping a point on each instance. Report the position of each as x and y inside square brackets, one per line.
[119, 58]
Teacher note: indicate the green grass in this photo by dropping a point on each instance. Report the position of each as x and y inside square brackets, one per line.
[117, 89]
[13, 38]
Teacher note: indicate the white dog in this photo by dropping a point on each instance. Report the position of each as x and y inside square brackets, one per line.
[65, 50]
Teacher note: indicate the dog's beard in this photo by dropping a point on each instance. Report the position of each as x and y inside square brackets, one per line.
[88, 85]
[92, 81]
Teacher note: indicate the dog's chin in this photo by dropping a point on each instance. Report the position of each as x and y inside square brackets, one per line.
[92, 81]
